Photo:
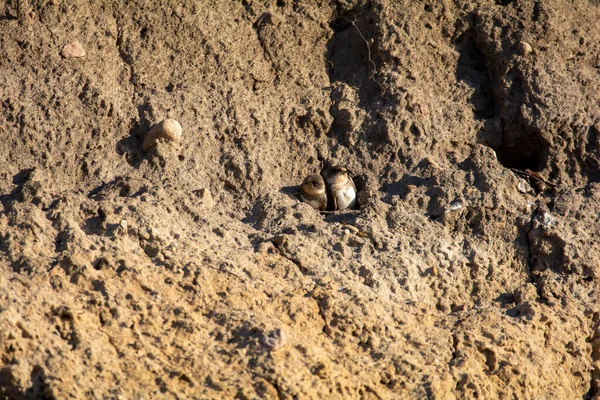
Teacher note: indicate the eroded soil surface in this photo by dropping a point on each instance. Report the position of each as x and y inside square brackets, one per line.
[471, 269]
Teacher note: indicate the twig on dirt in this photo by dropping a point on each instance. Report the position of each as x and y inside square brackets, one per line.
[534, 178]
[225, 271]
[369, 59]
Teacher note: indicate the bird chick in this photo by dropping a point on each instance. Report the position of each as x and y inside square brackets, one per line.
[342, 191]
[313, 192]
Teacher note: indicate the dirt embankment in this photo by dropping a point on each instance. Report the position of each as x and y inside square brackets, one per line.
[471, 269]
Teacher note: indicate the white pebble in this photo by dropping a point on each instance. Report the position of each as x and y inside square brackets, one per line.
[548, 220]
[73, 50]
[523, 186]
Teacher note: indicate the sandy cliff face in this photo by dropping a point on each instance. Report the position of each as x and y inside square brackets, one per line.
[471, 269]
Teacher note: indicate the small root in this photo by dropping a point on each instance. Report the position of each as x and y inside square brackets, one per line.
[369, 59]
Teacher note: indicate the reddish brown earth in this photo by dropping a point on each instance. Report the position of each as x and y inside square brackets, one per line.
[193, 271]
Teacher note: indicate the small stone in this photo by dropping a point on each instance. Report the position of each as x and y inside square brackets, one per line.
[168, 130]
[524, 48]
[524, 187]
[548, 220]
[351, 228]
[455, 205]
[275, 340]
[205, 197]
[428, 161]
[434, 270]
[73, 50]
[123, 224]
[266, 247]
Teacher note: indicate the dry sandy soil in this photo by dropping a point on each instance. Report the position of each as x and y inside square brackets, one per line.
[470, 270]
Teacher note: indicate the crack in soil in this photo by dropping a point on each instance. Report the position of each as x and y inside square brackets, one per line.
[126, 58]
[262, 21]
[594, 339]
[455, 342]
[530, 261]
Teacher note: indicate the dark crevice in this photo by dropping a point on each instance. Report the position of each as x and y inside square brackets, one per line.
[455, 343]
[591, 156]
[472, 70]
[357, 94]
[536, 11]
[280, 244]
[517, 144]
[340, 24]
[7, 17]
[526, 152]
[130, 146]
[593, 390]
[39, 388]
[350, 58]
[530, 267]
[326, 327]
[280, 393]
[594, 339]
[491, 360]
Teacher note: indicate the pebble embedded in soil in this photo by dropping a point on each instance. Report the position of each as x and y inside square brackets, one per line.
[455, 205]
[168, 130]
[123, 224]
[275, 340]
[205, 198]
[548, 220]
[73, 50]
[524, 48]
[524, 187]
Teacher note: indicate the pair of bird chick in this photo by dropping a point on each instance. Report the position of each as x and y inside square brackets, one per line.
[333, 190]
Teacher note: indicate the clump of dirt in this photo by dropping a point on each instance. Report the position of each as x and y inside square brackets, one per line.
[193, 270]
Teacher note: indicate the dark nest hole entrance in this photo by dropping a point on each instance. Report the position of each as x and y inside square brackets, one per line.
[361, 186]
[526, 153]
[341, 23]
